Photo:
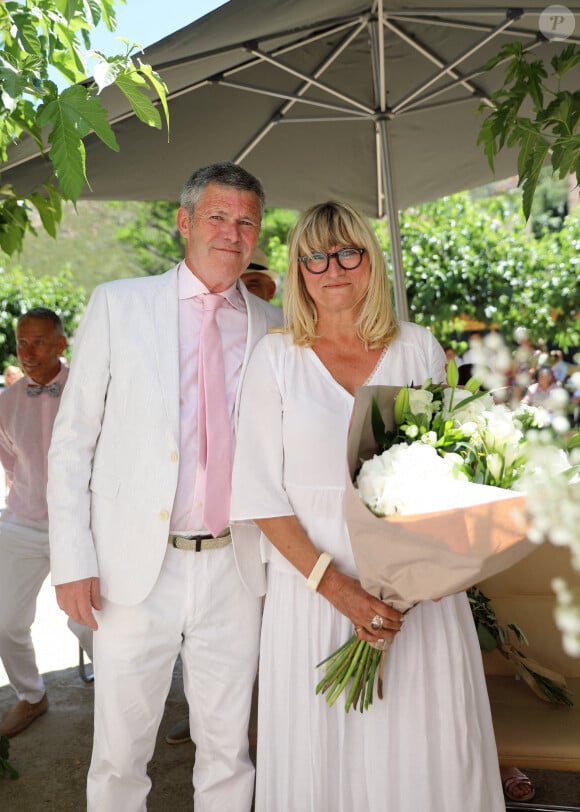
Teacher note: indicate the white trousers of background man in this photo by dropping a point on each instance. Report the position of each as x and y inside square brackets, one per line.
[199, 609]
[24, 565]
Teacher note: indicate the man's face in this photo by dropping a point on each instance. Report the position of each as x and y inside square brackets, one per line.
[260, 284]
[39, 347]
[221, 235]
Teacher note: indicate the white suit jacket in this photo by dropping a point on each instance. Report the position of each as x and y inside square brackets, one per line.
[113, 459]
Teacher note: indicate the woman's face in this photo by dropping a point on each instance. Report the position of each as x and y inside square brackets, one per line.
[337, 289]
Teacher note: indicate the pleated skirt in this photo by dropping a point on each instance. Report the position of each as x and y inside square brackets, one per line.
[427, 746]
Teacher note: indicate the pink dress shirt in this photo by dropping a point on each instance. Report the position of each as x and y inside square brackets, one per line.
[232, 319]
[25, 432]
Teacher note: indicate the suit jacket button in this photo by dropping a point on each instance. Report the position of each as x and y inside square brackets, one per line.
[163, 515]
[174, 456]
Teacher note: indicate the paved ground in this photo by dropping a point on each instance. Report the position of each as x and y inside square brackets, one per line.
[52, 756]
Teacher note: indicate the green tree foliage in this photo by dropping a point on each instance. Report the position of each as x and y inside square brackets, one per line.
[153, 237]
[551, 129]
[476, 260]
[35, 37]
[20, 292]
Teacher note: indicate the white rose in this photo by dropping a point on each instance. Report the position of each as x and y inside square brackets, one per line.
[421, 402]
[466, 413]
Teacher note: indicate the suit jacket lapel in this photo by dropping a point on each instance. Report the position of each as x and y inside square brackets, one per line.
[257, 327]
[166, 319]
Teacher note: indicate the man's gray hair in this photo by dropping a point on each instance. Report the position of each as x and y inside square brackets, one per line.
[224, 174]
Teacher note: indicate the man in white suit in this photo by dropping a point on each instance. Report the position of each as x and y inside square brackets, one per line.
[130, 554]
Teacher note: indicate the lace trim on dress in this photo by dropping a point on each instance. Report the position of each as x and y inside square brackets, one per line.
[377, 367]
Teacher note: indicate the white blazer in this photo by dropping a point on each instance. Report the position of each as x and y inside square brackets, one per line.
[113, 459]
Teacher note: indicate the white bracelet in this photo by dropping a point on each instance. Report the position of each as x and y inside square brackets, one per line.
[315, 577]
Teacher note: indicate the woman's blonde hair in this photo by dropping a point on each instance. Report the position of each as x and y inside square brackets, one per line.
[318, 228]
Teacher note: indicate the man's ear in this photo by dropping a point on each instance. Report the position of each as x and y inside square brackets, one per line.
[182, 221]
[271, 290]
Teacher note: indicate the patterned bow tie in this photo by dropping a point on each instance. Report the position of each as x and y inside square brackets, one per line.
[53, 389]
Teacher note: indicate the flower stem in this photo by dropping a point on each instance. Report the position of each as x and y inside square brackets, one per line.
[355, 689]
[338, 689]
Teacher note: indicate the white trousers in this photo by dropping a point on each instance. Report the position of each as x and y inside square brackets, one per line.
[24, 565]
[200, 609]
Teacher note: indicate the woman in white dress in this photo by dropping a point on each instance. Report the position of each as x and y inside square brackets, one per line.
[428, 745]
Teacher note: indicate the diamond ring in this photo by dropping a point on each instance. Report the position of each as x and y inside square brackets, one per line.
[377, 623]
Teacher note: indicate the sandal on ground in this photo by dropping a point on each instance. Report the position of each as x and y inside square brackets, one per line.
[513, 780]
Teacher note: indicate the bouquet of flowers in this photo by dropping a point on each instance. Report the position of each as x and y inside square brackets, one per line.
[432, 513]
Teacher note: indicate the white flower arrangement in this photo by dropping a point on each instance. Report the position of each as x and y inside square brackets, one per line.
[445, 445]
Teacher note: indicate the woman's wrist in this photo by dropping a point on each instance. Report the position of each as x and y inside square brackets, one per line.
[318, 571]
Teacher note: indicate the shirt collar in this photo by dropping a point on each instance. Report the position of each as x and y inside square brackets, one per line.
[189, 286]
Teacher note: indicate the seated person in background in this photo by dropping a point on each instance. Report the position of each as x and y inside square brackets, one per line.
[559, 366]
[539, 393]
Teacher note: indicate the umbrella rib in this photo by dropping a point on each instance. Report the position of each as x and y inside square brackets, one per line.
[310, 80]
[467, 53]
[492, 11]
[332, 26]
[418, 46]
[320, 119]
[464, 78]
[514, 32]
[292, 97]
[280, 115]
[425, 108]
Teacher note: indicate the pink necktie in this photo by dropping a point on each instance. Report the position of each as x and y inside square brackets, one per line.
[214, 431]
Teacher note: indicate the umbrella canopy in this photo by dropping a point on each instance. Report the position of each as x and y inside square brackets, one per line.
[372, 101]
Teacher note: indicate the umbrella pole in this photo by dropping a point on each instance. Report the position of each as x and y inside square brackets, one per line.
[392, 213]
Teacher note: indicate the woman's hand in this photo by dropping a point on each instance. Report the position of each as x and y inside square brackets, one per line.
[347, 595]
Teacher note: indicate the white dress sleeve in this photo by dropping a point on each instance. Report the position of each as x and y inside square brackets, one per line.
[257, 478]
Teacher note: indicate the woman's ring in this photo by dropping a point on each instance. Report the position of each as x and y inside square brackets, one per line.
[380, 644]
[377, 622]
[357, 629]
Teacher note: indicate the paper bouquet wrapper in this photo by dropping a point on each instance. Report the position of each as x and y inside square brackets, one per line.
[479, 532]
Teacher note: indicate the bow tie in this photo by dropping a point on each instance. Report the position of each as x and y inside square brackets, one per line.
[53, 389]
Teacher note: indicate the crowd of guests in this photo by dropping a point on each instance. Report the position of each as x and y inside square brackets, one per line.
[536, 376]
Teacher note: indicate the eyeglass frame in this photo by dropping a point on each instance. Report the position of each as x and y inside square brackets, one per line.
[360, 251]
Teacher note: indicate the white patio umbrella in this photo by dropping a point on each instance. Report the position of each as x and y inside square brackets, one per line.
[373, 101]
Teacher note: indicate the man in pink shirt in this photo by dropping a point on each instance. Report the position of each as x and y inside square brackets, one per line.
[139, 552]
[27, 412]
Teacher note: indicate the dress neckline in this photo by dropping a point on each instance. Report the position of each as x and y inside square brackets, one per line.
[328, 374]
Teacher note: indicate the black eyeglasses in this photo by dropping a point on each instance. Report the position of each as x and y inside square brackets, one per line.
[347, 258]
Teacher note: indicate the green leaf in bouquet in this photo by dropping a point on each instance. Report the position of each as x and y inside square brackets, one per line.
[383, 438]
[401, 405]
[452, 373]
[520, 636]
[473, 385]
[545, 683]
[487, 640]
